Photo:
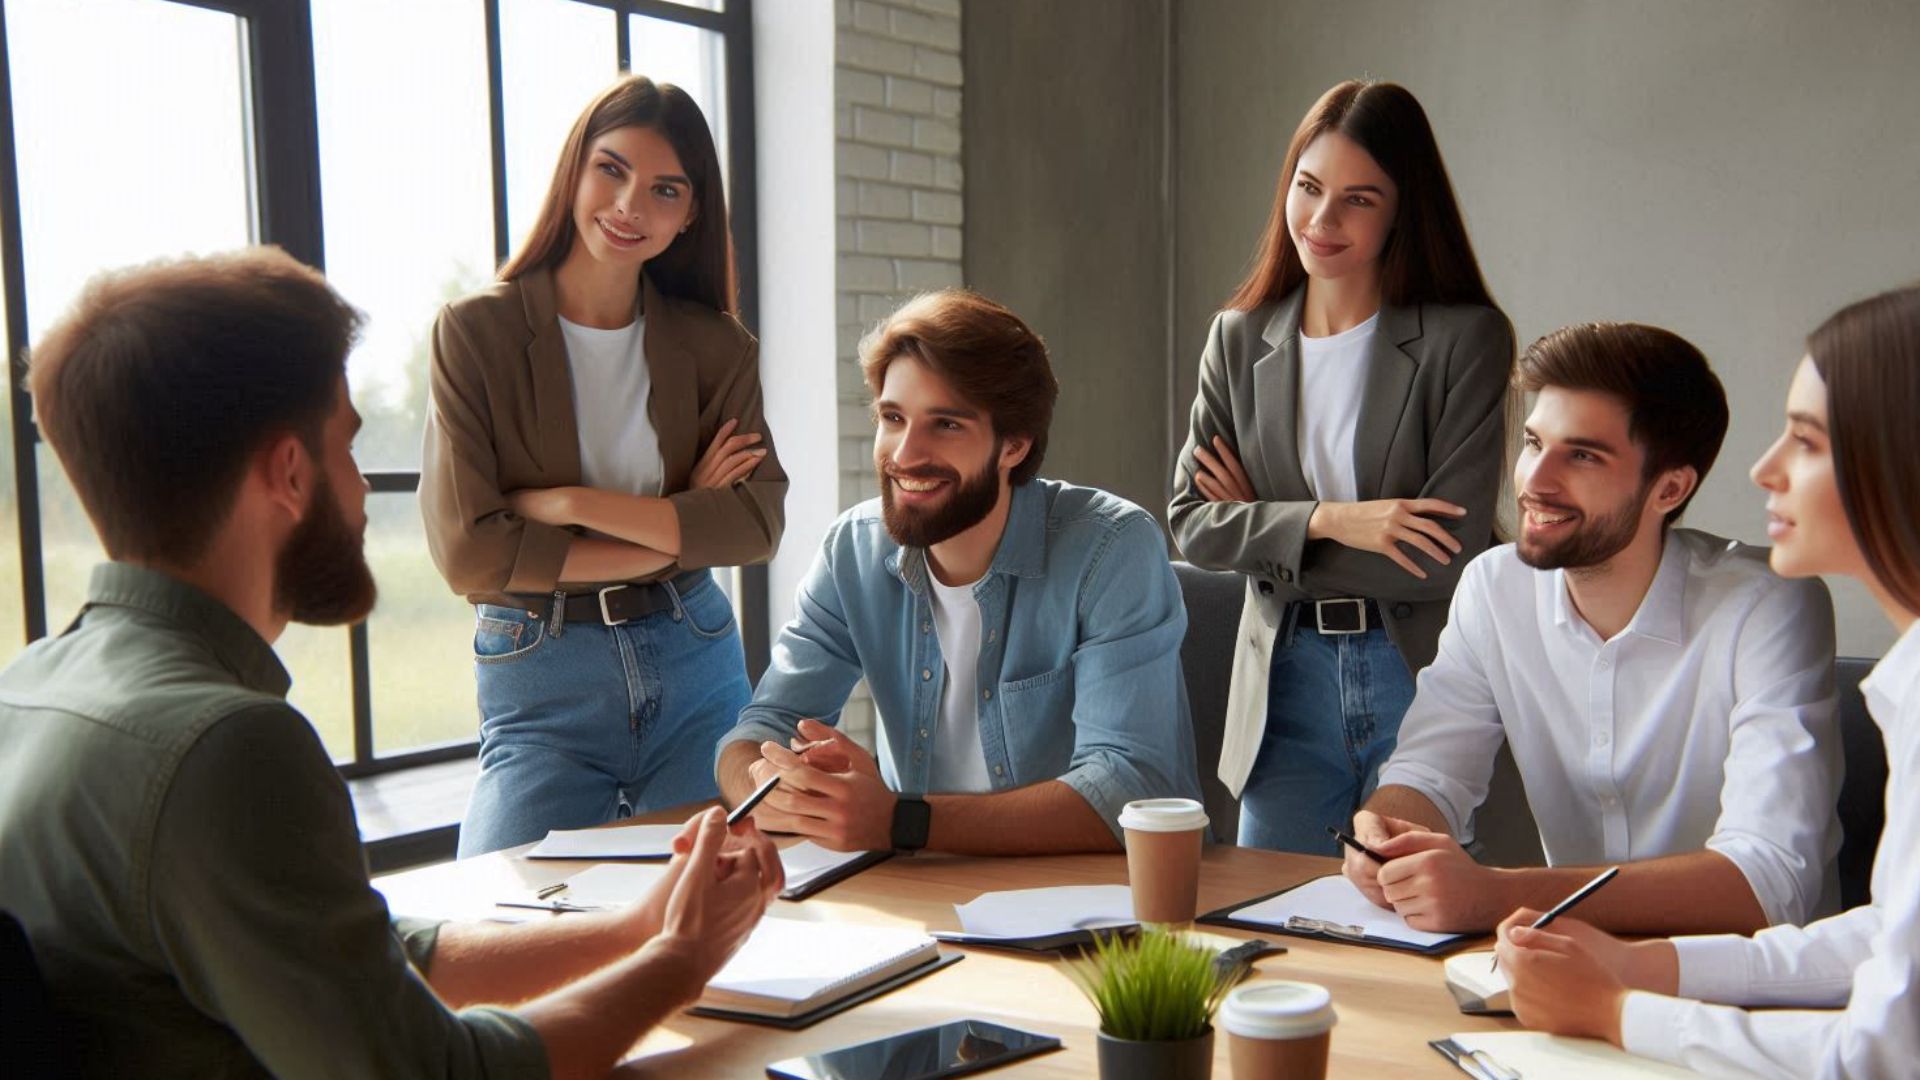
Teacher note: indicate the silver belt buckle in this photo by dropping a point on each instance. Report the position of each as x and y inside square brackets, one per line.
[607, 616]
[1359, 615]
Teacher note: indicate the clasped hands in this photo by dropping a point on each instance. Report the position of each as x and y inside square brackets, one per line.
[830, 790]
[1569, 979]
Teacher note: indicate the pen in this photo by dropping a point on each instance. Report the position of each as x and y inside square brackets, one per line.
[548, 905]
[1566, 905]
[1356, 845]
[740, 812]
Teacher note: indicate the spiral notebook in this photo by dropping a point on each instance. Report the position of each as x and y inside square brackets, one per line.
[790, 967]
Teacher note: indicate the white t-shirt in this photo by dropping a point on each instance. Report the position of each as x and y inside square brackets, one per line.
[619, 450]
[959, 762]
[1333, 372]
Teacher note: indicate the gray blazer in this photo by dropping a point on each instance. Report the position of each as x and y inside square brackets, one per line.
[1431, 425]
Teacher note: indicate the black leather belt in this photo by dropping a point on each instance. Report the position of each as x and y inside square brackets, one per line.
[1354, 615]
[618, 604]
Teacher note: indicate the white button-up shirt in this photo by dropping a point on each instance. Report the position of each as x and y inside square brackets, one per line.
[1707, 723]
[1862, 966]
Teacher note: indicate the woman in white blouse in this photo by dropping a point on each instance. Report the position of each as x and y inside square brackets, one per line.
[1843, 498]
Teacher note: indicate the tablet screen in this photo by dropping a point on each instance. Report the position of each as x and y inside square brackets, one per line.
[951, 1049]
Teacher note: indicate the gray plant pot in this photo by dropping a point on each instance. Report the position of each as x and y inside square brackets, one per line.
[1157, 1059]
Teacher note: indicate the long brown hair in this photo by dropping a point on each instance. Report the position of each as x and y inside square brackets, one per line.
[1868, 354]
[1428, 258]
[698, 265]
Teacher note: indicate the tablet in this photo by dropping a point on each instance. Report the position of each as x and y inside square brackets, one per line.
[955, 1048]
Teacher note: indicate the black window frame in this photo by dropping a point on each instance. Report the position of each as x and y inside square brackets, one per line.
[283, 110]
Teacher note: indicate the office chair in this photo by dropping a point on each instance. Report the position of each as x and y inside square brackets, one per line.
[1213, 618]
[27, 1046]
[1862, 806]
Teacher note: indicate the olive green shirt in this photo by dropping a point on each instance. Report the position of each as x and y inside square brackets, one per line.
[185, 860]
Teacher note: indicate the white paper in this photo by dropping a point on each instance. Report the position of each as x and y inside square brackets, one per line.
[615, 884]
[610, 885]
[807, 860]
[1533, 1053]
[626, 842]
[1022, 913]
[1334, 899]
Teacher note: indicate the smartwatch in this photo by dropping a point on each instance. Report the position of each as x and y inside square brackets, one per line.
[911, 819]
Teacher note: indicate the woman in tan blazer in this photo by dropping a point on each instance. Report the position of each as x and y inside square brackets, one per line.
[595, 444]
[1345, 454]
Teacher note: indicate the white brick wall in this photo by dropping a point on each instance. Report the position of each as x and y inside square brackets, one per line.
[897, 100]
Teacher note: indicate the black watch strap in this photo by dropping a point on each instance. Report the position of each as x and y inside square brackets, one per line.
[911, 819]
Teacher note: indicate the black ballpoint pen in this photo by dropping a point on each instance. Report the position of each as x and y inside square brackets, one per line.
[1564, 906]
[1357, 845]
[746, 805]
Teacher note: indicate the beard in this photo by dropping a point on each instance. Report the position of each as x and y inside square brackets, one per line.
[1590, 543]
[969, 501]
[321, 577]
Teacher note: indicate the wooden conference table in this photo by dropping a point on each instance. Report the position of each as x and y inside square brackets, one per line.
[1389, 1003]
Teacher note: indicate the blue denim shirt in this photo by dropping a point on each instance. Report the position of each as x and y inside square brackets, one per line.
[1080, 628]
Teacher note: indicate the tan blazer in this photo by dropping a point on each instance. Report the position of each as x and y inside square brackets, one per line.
[1431, 425]
[501, 418]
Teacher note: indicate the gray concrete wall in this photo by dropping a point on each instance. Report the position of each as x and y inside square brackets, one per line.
[1733, 170]
[1066, 223]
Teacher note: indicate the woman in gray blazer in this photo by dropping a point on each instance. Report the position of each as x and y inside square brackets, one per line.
[1345, 455]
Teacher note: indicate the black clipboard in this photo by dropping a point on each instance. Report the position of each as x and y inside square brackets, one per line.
[1224, 917]
[831, 1008]
[836, 875]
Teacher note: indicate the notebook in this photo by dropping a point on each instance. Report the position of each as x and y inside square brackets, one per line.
[811, 868]
[1331, 907]
[789, 967]
[1532, 1054]
[1477, 987]
[1044, 920]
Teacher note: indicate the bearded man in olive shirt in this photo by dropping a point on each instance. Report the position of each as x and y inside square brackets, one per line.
[173, 836]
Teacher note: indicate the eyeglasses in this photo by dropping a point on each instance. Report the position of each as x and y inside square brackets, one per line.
[1301, 924]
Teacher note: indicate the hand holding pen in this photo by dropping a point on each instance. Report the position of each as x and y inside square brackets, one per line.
[1566, 905]
[1573, 979]
[1356, 845]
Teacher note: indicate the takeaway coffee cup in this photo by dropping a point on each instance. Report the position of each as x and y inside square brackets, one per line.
[1278, 1030]
[1163, 857]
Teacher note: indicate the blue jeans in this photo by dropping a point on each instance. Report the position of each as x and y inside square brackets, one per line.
[597, 722]
[1334, 703]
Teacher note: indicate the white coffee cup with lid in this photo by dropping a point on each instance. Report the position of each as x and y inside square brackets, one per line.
[1278, 1029]
[1164, 838]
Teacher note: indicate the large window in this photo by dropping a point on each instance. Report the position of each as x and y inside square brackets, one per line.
[399, 146]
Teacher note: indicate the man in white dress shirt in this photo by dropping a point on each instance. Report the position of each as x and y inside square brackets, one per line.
[1668, 699]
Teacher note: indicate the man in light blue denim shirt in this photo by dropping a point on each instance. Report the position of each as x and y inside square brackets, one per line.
[1021, 637]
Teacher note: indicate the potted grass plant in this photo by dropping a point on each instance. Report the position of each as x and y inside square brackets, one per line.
[1156, 995]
